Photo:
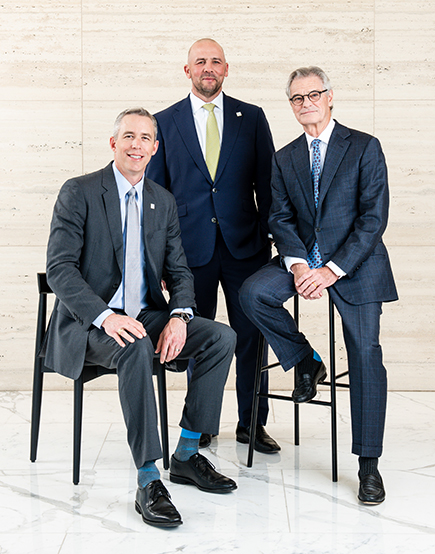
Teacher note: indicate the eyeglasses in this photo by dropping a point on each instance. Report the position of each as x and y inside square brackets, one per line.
[314, 96]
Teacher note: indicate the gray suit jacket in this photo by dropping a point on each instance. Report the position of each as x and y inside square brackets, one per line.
[351, 216]
[85, 260]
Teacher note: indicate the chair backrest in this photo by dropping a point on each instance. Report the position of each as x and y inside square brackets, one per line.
[89, 371]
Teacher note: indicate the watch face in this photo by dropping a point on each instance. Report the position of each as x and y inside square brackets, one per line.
[184, 317]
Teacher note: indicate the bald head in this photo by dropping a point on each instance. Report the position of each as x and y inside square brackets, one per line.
[207, 68]
[203, 42]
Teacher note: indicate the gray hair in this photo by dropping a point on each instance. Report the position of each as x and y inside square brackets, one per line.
[134, 111]
[307, 72]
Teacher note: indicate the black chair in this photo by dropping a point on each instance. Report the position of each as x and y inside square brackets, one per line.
[332, 383]
[89, 373]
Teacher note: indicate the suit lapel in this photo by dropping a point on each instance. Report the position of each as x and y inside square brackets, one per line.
[149, 211]
[337, 148]
[301, 164]
[113, 213]
[232, 123]
[183, 119]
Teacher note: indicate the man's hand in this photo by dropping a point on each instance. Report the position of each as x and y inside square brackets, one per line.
[123, 327]
[172, 339]
[310, 283]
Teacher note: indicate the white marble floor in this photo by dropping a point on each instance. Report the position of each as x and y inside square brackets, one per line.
[285, 503]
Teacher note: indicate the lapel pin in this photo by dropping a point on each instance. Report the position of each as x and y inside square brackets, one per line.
[239, 114]
[153, 206]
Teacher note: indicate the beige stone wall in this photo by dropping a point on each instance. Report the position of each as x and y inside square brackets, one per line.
[68, 68]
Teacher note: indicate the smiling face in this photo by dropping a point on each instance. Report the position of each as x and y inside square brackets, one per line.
[313, 116]
[134, 146]
[207, 68]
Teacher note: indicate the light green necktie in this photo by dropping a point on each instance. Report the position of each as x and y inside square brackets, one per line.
[213, 145]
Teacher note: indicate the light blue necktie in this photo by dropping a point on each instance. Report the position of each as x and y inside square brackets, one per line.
[314, 257]
[132, 262]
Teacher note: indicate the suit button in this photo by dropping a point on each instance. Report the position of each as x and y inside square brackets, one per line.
[213, 220]
[318, 229]
[214, 190]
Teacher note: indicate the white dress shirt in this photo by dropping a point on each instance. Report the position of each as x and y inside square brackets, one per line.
[200, 116]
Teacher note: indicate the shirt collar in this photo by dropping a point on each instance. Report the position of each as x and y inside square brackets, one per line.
[197, 103]
[324, 136]
[124, 186]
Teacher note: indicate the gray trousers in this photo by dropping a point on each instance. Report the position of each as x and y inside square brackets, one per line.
[210, 343]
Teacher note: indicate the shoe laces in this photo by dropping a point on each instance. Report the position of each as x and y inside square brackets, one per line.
[159, 489]
[202, 462]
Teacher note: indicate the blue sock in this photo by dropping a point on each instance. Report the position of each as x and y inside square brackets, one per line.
[187, 445]
[316, 356]
[147, 473]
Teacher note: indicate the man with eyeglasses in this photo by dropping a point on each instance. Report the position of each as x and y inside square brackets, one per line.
[329, 211]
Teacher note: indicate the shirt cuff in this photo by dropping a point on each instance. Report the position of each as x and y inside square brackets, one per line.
[290, 260]
[335, 269]
[99, 320]
[187, 311]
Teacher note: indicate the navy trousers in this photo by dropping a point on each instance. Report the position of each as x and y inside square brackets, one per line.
[231, 273]
[262, 297]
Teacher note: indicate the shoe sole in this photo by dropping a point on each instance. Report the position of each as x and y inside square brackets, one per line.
[186, 481]
[243, 441]
[156, 523]
[370, 502]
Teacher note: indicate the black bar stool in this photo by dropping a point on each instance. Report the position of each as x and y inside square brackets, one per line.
[332, 383]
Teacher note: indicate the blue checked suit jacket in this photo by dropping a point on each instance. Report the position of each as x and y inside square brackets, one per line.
[351, 216]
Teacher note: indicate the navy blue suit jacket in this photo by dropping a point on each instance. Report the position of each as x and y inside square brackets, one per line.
[244, 169]
[351, 216]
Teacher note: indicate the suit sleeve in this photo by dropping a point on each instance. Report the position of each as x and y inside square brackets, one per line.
[372, 205]
[157, 169]
[65, 244]
[178, 277]
[283, 217]
[264, 152]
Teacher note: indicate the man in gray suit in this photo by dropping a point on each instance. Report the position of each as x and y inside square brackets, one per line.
[114, 237]
[329, 212]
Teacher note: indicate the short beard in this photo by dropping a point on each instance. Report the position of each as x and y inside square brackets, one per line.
[207, 93]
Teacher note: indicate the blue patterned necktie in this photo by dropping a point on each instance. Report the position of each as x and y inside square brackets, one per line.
[314, 257]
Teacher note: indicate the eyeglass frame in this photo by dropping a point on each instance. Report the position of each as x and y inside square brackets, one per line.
[319, 92]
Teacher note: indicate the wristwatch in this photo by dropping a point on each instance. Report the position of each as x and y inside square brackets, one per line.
[181, 315]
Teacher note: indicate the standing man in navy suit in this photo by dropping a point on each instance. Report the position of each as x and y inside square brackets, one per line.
[329, 212]
[223, 209]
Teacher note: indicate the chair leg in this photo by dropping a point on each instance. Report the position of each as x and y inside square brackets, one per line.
[78, 416]
[38, 380]
[296, 406]
[38, 377]
[163, 409]
[333, 392]
[255, 400]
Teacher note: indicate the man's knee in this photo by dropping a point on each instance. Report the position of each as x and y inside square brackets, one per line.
[224, 336]
[250, 293]
[140, 352]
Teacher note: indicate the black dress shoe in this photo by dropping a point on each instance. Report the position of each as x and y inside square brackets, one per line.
[200, 472]
[205, 440]
[263, 442]
[371, 489]
[310, 372]
[154, 504]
